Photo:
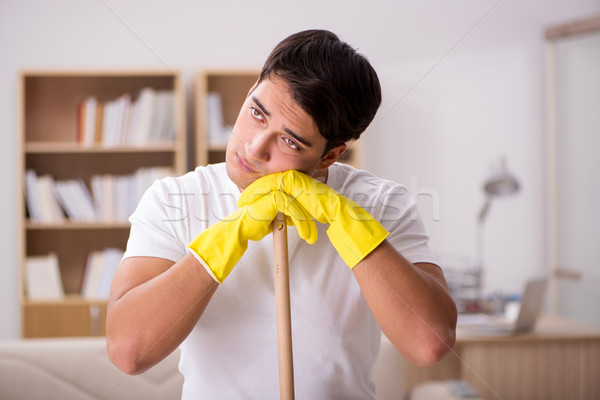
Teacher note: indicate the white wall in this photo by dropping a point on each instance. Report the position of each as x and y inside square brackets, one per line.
[578, 185]
[463, 85]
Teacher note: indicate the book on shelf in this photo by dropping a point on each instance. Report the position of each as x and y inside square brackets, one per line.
[42, 278]
[117, 196]
[32, 197]
[75, 199]
[40, 195]
[113, 198]
[217, 132]
[99, 272]
[150, 119]
[115, 118]
[86, 121]
[80, 122]
[98, 124]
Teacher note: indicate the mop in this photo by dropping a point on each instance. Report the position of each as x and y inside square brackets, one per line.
[282, 304]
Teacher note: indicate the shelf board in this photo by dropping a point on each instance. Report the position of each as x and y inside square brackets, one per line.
[68, 225]
[68, 300]
[72, 147]
[100, 73]
[217, 149]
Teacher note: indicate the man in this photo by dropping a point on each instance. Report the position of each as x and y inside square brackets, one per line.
[198, 267]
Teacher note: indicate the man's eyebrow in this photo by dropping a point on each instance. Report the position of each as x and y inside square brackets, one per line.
[262, 108]
[287, 130]
[298, 138]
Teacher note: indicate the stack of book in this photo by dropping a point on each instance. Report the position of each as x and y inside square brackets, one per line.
[40, 195]
[116, 196]
[42, 278]
[217, 132]
[99, 273]
[112, 199]
[150, 119]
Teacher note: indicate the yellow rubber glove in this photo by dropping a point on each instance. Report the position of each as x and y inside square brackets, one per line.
[352, 231]
[221, 246]
[294, 213]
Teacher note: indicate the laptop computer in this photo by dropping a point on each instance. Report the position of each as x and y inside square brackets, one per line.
[531, 308]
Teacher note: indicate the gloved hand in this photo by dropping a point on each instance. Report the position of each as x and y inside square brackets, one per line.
[222, 245]
[352, 231]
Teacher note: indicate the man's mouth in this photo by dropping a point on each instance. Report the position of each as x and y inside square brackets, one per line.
[245, 165]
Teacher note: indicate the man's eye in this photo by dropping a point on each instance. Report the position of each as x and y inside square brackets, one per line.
[291, 143]
[256, 113]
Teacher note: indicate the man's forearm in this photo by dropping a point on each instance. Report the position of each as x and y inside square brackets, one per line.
[410, 302]
[154, 305]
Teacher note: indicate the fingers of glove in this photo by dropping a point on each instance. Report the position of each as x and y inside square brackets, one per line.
[318, 199]
[258, 217]
[263, 204]
[296, 215]
[321, 201]
[258, 188]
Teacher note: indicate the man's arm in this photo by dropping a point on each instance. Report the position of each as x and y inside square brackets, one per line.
[153, 305]
[411, 303]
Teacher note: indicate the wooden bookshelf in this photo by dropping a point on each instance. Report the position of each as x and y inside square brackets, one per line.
[233, 87]
[49, 145]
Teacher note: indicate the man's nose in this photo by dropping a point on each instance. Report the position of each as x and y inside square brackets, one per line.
[257, 147]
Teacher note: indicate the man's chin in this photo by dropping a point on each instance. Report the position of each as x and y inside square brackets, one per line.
[240, 179]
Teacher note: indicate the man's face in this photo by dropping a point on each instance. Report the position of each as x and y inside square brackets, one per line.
[273, 134]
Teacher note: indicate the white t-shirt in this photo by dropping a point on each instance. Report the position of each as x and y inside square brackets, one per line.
[232, 351]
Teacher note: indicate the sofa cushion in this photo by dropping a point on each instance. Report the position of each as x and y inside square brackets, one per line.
[79, 368]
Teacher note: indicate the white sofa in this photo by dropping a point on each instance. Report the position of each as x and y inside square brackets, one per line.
[79, 369]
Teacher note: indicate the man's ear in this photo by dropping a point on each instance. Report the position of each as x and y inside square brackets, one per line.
[332, 156]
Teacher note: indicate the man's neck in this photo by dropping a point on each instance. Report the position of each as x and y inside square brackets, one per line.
[320, 175]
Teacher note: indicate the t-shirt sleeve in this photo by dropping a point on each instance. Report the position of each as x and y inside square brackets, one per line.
[398, 213]
[153, 233]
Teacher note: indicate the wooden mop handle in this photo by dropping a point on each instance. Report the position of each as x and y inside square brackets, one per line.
[282, 302]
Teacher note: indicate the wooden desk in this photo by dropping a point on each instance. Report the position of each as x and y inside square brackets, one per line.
[558, 360]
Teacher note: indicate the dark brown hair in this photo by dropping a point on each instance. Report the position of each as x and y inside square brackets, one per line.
[330, 80]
